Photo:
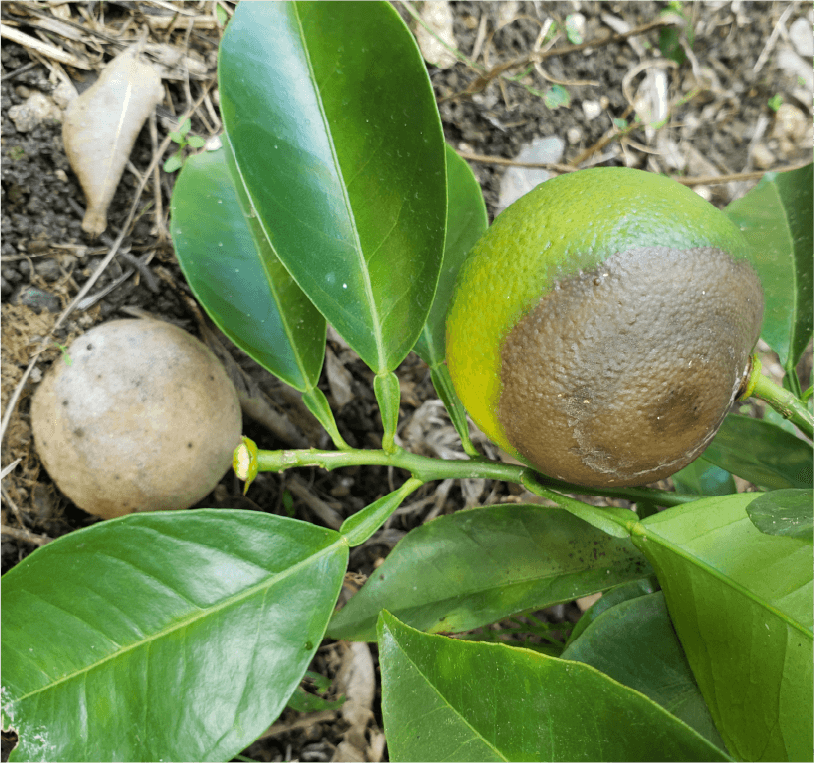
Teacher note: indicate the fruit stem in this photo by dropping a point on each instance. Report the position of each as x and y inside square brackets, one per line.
[783, 401]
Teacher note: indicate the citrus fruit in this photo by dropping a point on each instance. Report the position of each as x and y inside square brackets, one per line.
[139, 415]
[601, 328]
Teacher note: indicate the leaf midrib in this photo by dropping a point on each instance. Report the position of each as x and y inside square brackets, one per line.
[376, 322]
[261, 587]
[647, 533]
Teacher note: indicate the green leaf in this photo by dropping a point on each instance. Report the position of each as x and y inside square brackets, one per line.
[445, 390]
[221, 14]
[196, 141]
[740, 602]
[762, 453]
[573, 28]
[702, 478]
[610, 598]
[776, 218]
[163, 635]
[444, 699]
[335, 129]
[236, 276]
[173, 163]
[467, 220]
[317, 403]
[475, 567]
[556, 97]
[612, 520]
[634, 643]
[784, 512]
[388, 396]
[304, 702]
[670, 44]
[360, 526]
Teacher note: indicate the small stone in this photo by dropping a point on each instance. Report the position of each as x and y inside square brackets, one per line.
[29, 114]
[48, 269]
[438, 17]
[762, 157]
[37, 299]
[11, 274]
[591, 109]
[791, 127]
[518, 181]
[63, 94]
[574, 135]
[788, 61]
[802, 38]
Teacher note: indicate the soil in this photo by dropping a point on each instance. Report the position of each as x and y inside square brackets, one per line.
[727, 127]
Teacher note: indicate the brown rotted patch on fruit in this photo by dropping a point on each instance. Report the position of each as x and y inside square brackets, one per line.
[622, 375]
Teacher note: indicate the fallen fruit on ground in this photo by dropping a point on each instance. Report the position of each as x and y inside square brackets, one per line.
[601, 328]
[138, 416]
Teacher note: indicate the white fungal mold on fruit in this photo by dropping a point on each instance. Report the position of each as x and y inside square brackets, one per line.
[139, 416]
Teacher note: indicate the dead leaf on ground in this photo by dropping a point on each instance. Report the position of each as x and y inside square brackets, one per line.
[340, 379]
[357, 681]
[101, 126]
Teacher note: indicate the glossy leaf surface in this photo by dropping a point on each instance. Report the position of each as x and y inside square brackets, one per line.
[761, 452]
[776, 218]
[165, 635]
[445, 699]
[360, 526]
[236, 276]
[338, 141]
[784, 512]
[610, 598]
[740, 602]
[634, 643]
[466, 222]
[473, 567]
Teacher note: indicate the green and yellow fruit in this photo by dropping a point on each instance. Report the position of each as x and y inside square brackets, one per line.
[601, 328]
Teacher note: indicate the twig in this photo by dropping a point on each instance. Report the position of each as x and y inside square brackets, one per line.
[49, 51]
[140, 263]
[303, 722]
[86, 30]
[563, 168]
[15, 509]
[769, 46]
[159, 204]
[314, 502]
[25, 536]
[735, 176]
[608, 137]
[538, 56]
[17, 72]
[454, 51]
[485, 159]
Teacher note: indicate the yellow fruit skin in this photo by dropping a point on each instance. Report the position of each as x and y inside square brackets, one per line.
[564, 226]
